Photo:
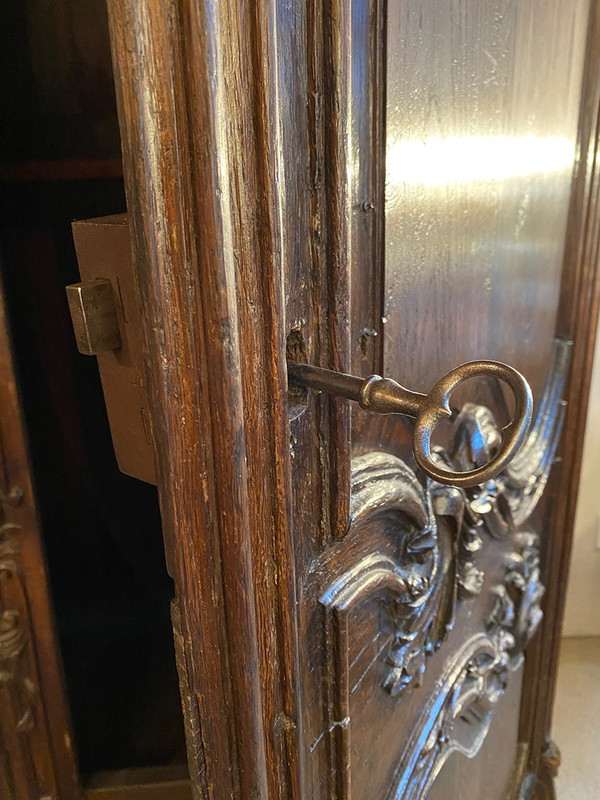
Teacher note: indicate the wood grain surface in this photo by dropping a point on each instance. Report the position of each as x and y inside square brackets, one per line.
[202, 163]
[253, 163]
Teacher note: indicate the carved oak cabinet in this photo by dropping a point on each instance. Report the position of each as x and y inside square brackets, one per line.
[373, 187]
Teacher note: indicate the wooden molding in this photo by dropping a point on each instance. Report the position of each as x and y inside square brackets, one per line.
[202, 163]
[577, 321]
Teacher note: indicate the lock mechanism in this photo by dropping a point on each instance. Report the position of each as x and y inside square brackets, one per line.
[105, 314]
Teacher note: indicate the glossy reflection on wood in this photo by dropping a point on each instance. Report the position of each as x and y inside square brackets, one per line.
[481, 122]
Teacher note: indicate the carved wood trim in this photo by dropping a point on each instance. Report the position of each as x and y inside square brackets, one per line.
[14, 633]
[36, 754]
[507, 502]
[17, 689]
[457, 716]
[409, 583]
[406, 581]
[527, 475]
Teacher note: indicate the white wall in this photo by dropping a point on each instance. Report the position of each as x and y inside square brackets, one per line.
[583, 594]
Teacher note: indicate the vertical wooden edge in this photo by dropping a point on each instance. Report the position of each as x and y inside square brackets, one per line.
[336, 132]
[380, 137]
[200, 166]
[518, 773]
[367, 187]
[43, 752]
[150, 83]
[578, 318]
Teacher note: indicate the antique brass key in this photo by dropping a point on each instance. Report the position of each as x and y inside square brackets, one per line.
[385, 396]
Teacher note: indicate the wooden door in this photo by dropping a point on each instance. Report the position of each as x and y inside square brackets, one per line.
[372, 187]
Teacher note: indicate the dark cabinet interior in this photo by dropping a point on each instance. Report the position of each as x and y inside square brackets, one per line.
[101, 529]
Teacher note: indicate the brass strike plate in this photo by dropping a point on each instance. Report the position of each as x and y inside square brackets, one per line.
[106, 320]
[94, 316]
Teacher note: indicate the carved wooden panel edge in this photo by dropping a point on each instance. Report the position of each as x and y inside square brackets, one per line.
[36, 751]
[18, 692]
[13, 633]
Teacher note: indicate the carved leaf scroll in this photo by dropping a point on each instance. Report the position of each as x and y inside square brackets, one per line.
[407, 577]
[517, 599]
[17, 691]
[459, 714]
[399, 569]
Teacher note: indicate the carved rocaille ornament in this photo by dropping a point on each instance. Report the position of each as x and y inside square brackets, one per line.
[406, 577]
[517, 599]
[504, 504]
[458, 714]
[424, 561]
[13, 634]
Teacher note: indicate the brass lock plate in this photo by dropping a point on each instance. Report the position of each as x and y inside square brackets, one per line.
[94, 316]
[106, 320]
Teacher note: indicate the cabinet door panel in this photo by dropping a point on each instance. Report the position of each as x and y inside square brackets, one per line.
[369, 187]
